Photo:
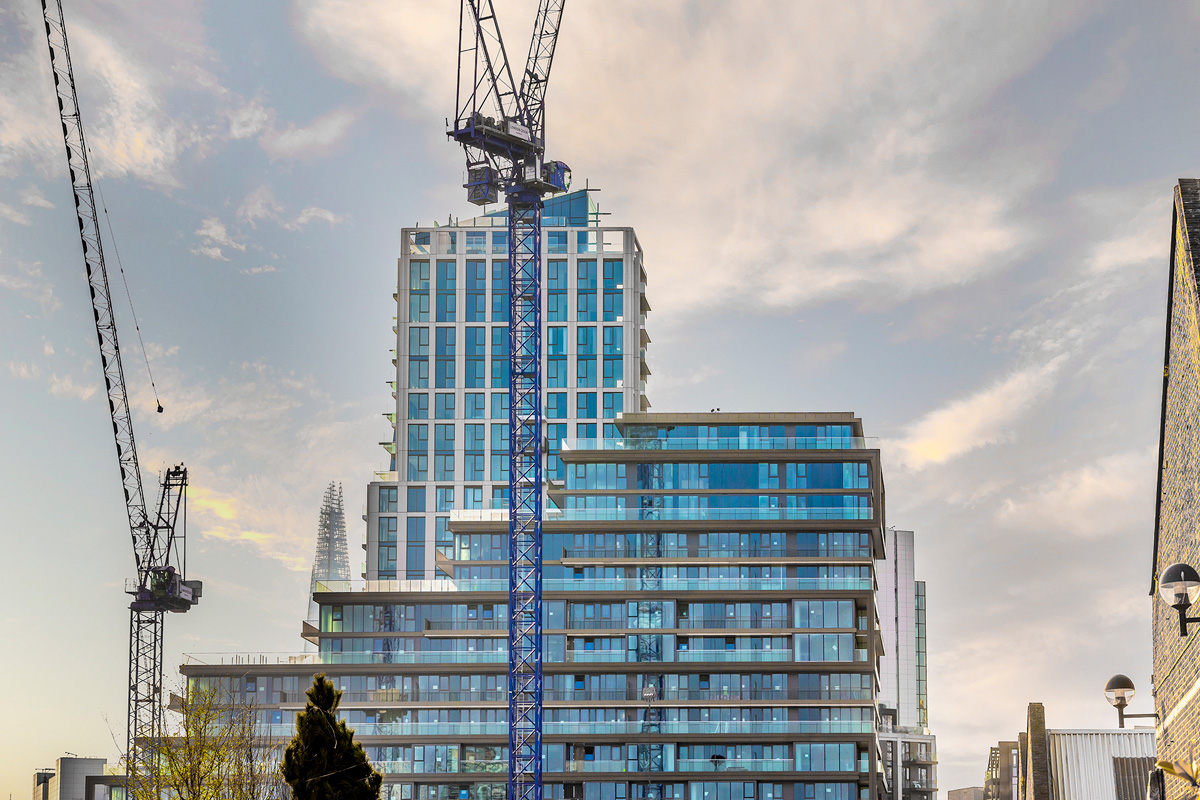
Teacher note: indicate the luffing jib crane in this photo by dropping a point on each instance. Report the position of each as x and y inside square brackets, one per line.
[158, 541]
[502, 124]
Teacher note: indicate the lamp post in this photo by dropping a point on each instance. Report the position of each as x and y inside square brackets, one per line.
[1179, 586]
[1119, 691]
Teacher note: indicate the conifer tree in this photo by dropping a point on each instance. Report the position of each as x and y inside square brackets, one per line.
[323, 762]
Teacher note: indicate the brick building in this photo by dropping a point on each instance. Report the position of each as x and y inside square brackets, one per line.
[1177, 513]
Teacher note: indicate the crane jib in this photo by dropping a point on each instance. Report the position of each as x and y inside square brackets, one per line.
[160, 586]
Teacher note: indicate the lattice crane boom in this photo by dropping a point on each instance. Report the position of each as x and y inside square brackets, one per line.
[157, 541]
[506, 151]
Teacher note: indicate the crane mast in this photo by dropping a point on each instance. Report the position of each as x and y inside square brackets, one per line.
[159, 586]
[501, 126]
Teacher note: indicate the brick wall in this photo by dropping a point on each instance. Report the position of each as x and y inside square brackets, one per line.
[1176, 662]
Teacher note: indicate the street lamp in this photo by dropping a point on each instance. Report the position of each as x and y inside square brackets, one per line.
[1119, 691]
[1179, 586]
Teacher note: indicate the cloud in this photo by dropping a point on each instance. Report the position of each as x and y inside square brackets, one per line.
[313, 139]
[213, 237]
[13, 215]
[313, 213]
[261, 445]
[26, 372]
[65, 386]
[248, 121]
[264, 269]
[866, 177]
[28, 281]
[47, 349]
[32, 196]
[1109, 496]
[261, 204]
[983, 418]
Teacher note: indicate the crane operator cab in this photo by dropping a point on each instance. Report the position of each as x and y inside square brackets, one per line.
[165, 590]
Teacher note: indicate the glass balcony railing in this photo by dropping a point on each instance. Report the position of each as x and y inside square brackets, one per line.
[620, 728]
[733, 655]
[733, 622]
[734, 765]
[605, 584]
[411, 696]
[731, 443]
[670, 514]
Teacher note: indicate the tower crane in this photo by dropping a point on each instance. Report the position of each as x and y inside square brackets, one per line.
[502, 127]
[158, 540]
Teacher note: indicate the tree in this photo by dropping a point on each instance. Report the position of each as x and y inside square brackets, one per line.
[323, 762]
[211, 750]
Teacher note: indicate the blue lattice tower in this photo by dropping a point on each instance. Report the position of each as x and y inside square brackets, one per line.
[525, 497]
[650, 621]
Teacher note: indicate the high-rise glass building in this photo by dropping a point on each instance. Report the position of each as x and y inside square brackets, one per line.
[449, 444]
[909, 747]
[711, 630]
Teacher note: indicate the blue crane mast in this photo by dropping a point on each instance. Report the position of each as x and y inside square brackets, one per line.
[158, 540]
[501, 125]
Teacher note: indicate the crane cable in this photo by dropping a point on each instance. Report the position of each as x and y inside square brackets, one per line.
[121, 268]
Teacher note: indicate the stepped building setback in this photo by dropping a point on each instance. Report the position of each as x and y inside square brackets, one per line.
[711, 627]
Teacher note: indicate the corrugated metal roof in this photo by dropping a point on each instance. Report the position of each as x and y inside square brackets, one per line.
[1099, 764]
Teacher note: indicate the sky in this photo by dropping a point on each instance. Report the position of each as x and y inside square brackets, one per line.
[952, 219]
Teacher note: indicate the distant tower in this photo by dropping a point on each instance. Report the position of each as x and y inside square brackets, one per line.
[332, 561]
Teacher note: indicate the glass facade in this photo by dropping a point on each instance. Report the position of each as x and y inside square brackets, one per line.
[452, 363]
[674, 649]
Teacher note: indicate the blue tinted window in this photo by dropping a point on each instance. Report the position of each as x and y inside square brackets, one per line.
[445, 276]
[476, 242]
[556, 372]
[443, 467]
[613, 341]
[444, 406]
[499, 241]
[556, 306]
[613, 372]
[585, 404]
[444, 375]
[556, 241]
[556, 274]
[476, 374]
[473, 437]
[499, 341]
[418, 467]
[613, 404]
[476, 406]
[418, 341]
[556, 340]
[418, 373]
[499, 437]
[585, 340]
[445, 341]
[614, 273]
[443, 439]
[585, 430]
[418, 438]
[499, 405]
[416, 498]
[613, 307]
[586, 271]
[418, 276]
[586, 307]
[418, 406]
[556, 405]
[476, 343]
[445, 498]
[585, 372]
[418, 307]
[500, 373]
[499, 467]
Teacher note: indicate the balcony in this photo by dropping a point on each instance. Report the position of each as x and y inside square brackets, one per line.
[616, 728]
[671, 514]
[713, 443]
[606, 585]
[747, 623]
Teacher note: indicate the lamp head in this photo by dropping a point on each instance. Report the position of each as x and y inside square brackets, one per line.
[1119, 691]
[1179, 585]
